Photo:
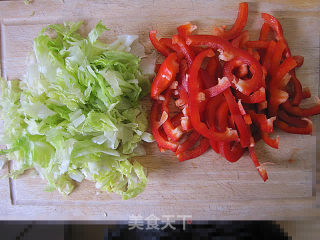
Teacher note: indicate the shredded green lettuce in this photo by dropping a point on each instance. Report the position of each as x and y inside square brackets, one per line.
[76, 114]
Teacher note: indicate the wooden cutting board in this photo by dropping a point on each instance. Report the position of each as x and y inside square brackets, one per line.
[208, 187]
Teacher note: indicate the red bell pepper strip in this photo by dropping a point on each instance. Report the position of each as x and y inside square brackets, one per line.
[301, 112]
[186, 123]
[231, 154]
[189, 142]
[176, 119]
[194, 103]
[241, 108]
[274, 143]
[257, 44]
[306, 93]
[155, 125]
[278, 96]
[255, 97]
[295, 130]
[207, 81]
[196, 152]
[261, 169]
[237, 27]
[293, 121]
[262, 105]
[222, 116]
[260, 120]
[173, 133]
[186, 30]
[211, 109]
[246, 87]
[214, 70]
[268, 56]
[243, 128]
[157, 67]
[247, 119]
[167, 42]
[184, 48]
[241, 40]
[297, 88]
[223, 84]
[165, 76]
[299, 60]
[242, 71]
[157, 45]
[264, 32]
[277, 56]
[274, 24]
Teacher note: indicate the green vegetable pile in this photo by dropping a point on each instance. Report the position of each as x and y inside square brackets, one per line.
[76, 114]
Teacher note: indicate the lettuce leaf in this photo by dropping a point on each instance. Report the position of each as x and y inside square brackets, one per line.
[76, 114]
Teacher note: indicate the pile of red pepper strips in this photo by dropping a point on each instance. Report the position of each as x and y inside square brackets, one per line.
[228, 90]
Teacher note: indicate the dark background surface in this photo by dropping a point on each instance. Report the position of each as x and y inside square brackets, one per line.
[222, 230]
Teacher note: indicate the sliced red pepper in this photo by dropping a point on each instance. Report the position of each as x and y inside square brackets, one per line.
[294, 121]
[155, 125]
[186, 30]
[176, 119]
[246, 87]
[231, 154]
[242, 71]
[223, 84]
[189, 142]
[306, 93]
[274, 24]
[207, 81]
[299, 60]
[266, 125]
[297, 88]
[211, 109]
[262, 105]
[173, 133]
[174, 47]
[247, 119]
[157, 67]
[274, 143]
[264, 32]
[261, 169]
[186, 123]
[214, 70]
[184, 48]
[277, 56]
[157, 45]
[278, 96]
[241, 40]
[255, 97]
[237, 27]
[241, 85]
[243, 128]
[257, 44]
[301, 112]
[194, 103]
[295, 130]
[241, 108]
[268, 56]
[165, 76]
[196, 152]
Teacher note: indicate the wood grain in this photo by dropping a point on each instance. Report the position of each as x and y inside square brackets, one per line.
[207, 187]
